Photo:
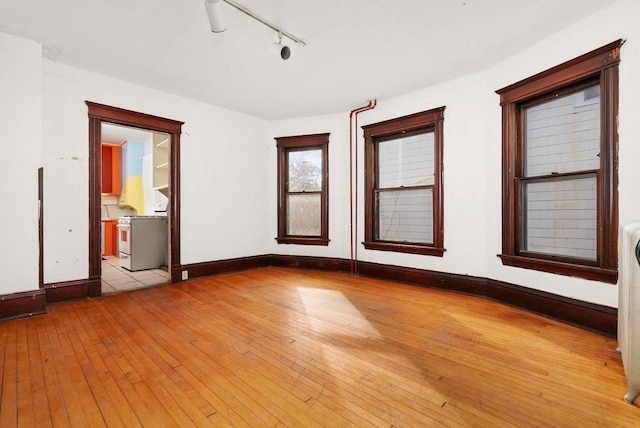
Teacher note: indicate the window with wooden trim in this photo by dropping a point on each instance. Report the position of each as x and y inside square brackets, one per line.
[559, 145]
[403, 183]
[303, 199]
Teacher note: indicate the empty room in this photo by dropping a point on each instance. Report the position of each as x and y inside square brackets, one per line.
[293, 213]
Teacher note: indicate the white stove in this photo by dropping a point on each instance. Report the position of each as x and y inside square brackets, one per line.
[142, 242]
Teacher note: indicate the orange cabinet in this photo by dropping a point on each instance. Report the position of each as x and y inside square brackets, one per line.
[111, 170]
[110, 238]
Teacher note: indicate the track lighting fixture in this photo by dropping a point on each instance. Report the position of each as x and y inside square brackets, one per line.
[215, 18]
[285, 51]
[217, 26]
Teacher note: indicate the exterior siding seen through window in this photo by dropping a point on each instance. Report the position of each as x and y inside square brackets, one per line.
[404, 200]
[561, 136]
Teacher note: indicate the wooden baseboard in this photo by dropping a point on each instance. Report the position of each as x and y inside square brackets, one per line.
[20, 305]
[597, 318]
[73, 290]
[308, 262]
[198, 270]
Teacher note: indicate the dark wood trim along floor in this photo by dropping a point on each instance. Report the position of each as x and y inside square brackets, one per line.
[199, 270]
[597, 318]
[25, 304]
[72, 290]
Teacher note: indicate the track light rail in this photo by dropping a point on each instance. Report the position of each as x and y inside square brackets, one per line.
[264, 22]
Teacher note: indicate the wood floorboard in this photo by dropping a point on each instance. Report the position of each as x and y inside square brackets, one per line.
[116, 410]
[303, 348]
[40, 400]
[25, 406]
[9, 394]
[62, 360]
[144, 376]
[362, 378]
[338, 383]
[55, 398]
[240, 343]
[203, 365]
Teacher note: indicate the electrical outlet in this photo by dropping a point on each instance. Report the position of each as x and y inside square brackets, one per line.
[185, 275]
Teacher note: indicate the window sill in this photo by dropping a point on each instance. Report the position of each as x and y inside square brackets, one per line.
[593, 273]
[303, 241]
[404, 248]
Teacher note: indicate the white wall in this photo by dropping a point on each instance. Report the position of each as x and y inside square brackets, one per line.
[472, 157]
[223, 191]
[229, 163]
[20, 122]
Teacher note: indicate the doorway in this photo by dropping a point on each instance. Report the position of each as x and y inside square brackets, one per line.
[165, 138]
[135, 184]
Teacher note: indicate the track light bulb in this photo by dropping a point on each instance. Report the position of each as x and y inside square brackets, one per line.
[285, 52]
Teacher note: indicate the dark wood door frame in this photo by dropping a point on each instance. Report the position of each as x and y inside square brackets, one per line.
[99, 113]
[41, 227]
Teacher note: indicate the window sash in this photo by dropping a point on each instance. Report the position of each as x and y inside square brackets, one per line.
[411, 225]
[304, 192]
[406, 160]
[558, 217]
[304, 170]
[304, 211]
[559, 135]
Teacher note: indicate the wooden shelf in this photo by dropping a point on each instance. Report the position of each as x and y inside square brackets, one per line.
[161, 144]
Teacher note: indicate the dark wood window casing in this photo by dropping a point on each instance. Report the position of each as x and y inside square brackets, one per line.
[431, 121]
[600, 68]
[286, 146]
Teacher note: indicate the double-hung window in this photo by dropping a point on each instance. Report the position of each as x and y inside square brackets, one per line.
[559, 145]
[403, 181]
[303, 200]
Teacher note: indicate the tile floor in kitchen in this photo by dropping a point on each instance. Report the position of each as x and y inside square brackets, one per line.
[116, 278]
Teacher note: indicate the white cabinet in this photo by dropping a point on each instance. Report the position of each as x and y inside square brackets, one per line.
[161, 162]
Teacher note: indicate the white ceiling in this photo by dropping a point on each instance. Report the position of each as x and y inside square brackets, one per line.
[357, 49]
[115, 135]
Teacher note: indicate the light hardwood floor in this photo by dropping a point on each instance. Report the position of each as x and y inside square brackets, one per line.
[284, 347]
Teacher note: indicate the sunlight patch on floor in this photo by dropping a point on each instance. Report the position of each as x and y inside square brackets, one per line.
[330, 311]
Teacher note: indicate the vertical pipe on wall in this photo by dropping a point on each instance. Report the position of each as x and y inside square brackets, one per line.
[353, 182]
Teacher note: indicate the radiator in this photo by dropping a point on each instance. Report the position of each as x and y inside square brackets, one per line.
[629, 307]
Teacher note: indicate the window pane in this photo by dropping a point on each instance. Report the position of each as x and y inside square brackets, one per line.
[560, 217]
[405, 216]
[563, 135]
[304, 215]
[305, 170]
[406, 161]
